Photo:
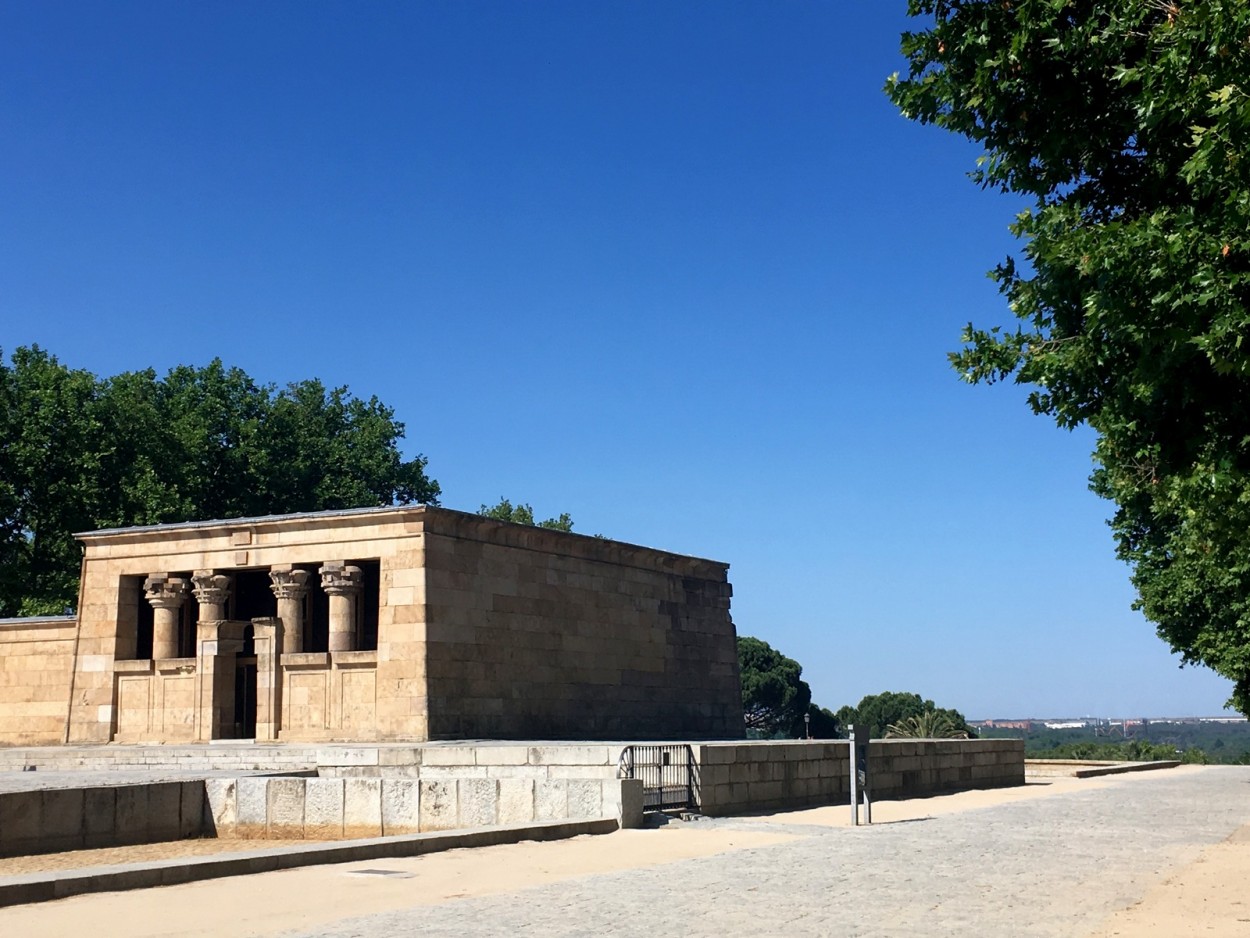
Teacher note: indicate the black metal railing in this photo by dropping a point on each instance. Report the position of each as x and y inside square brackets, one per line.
[668, 774]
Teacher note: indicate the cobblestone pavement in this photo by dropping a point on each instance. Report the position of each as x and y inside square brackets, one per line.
[1053, 866]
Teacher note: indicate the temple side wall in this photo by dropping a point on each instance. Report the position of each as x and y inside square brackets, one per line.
[536, 634]
[36, 663]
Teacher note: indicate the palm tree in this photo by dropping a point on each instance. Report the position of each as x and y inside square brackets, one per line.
[931, 724]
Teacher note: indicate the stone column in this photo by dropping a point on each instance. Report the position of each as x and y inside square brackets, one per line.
[290, 586]
[267, 636]
[343, 584]
[211, 592]
[166, 594]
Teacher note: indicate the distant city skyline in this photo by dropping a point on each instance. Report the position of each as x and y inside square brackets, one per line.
[679, 271]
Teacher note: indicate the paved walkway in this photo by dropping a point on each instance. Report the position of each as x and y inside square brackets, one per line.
[1050, 861]
[1045, 867]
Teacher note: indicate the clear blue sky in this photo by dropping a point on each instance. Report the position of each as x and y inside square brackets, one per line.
[679, 270]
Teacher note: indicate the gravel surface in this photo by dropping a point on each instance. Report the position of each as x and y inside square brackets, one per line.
[1055, 866]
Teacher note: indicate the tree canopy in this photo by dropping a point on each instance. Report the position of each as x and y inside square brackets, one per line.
[78, 452]
[524, 514]
[774, 694]
[900, 709]
[1127, 125]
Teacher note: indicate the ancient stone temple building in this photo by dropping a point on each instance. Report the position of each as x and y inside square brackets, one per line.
[376, 624]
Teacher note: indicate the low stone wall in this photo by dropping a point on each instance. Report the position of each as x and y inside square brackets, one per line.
[49, 820]
[346, 808]
[760, 776]
[382, 790]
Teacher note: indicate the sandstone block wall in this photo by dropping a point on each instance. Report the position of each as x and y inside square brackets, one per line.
[36, 665]
[535, 634]
[791, 774]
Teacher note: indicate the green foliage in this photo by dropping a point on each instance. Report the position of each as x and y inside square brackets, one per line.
[524, 514]
[1127, 124]
[1130, 751]
[79, 452]
[1190, 740]
[931, 724]
[890, 709]
[774, 694]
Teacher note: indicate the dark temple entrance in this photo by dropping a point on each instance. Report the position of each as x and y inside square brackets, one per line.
[245, 687]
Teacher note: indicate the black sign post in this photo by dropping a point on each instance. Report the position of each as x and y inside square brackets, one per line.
[859, 773]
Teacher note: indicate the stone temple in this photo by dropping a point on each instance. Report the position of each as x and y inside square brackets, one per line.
[374, 625]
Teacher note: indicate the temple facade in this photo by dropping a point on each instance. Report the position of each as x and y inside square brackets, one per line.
[411, 623]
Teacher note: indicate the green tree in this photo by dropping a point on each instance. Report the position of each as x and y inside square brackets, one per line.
[52, 448]
[524, 514]
[78, 452]
[774, 694]
[1127, 124]
[892, 708]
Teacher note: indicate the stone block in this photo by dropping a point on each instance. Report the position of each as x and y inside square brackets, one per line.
[715, 754]
[629, 803]
[362, 807]
[503, 755]
[131, 814]
[99, 812]
[449, 755]
[400, 806]
[20, 815]
[585, 799]
[345, 756]
[221, 815]
[285, 802]
[438, 805]
[479, 799]
[516, 801]
[400, 756]
[454, 771]
[571, 755]
[61, 818]
[551, 800]
[164, 811]
[252, 808]
[527, 772]
[191, 810]
[323, 808]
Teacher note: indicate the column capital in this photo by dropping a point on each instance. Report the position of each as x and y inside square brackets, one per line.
[166, 592]
[339, 579]
[211, 589]
[288, 582]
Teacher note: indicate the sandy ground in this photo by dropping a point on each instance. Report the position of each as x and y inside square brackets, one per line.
[1204, 898]
[1207, 898]
[270, 903]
